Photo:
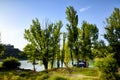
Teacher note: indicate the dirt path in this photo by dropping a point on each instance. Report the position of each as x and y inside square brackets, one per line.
[80, 76]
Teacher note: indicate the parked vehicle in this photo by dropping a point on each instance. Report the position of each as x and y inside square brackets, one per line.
[81, 63]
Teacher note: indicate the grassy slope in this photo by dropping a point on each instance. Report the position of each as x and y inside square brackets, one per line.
[77, 74]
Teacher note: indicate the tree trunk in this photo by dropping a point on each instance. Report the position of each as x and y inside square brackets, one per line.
[58, 63]
[45, 63]
[77, 56]
[58, 58]
[67, 67]
[63, 51]
[52, 63]
[34, 63]
[34, 69]
[62, 60]
[71, 57]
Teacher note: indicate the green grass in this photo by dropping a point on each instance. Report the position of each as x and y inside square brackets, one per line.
[53, 74]
[86, 71]
[77, 74]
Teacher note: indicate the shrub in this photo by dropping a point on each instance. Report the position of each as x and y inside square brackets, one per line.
[108, 67]
[11, 63]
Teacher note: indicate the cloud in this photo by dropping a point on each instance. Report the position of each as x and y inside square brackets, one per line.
[84, 9]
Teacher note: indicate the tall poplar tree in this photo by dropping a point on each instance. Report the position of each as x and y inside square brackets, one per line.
[63, 49]
[72, 18]
[112, 34]
[56, 42]
[89, 36]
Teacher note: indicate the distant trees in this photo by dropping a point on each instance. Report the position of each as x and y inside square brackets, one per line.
[2, 48]
[9, 50]
[112, 34]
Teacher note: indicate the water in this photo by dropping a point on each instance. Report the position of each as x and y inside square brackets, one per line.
[27, 65]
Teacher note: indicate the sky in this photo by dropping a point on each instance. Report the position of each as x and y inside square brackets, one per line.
[17, 15]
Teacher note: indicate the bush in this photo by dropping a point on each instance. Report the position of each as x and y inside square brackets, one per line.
[108, 67]
[11, 63]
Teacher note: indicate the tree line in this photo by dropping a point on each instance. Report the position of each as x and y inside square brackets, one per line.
[77, 42]
[45, 43]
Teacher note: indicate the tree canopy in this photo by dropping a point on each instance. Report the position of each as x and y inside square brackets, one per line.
[112, 34]
[72, 29]
[47, 45]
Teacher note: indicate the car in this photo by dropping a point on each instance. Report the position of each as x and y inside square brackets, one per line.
[81, 63]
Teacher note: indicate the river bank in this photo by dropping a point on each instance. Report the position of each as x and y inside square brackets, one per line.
[53, 74]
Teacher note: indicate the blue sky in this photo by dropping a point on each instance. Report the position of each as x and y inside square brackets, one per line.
[17, 15]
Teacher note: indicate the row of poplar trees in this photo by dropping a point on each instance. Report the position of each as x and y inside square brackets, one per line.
[52, 47]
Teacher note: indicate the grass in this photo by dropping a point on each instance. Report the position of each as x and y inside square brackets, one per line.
[54, 74]
[77, 74]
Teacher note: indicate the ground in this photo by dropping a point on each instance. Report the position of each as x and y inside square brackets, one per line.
[53, 74]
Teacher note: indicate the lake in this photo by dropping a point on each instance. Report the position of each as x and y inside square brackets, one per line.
[27, 65]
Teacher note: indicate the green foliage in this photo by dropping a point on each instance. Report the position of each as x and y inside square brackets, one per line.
[88, 37]
[100, 50]
[32, 54]
[55, 39]
[67, 54]
[10, 63]
[43, 42]
[2, 48]
[72, 17]
[72, 28]
[112, 34]
[63, 50]
[107, 67]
